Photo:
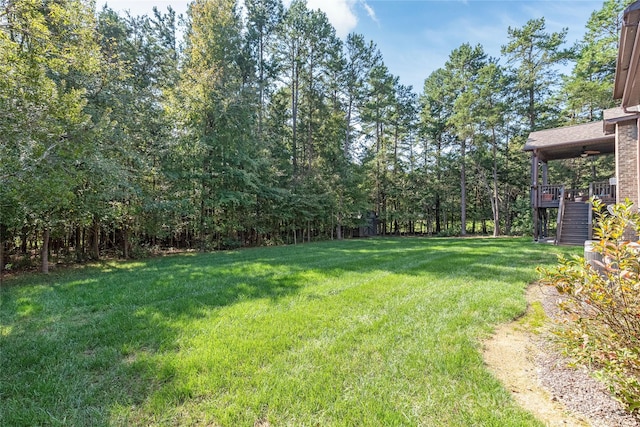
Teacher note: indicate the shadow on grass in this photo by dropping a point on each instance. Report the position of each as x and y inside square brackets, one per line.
[74, 344]
[70, 342]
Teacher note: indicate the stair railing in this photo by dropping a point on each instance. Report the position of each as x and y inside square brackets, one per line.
[590, 216]
[560, 216]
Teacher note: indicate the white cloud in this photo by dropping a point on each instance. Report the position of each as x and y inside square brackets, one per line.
[369, 10]
[341, 14]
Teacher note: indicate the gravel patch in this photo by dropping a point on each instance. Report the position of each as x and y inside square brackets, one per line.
[575, 388]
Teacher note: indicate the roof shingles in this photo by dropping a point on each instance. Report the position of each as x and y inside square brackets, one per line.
[569, 135]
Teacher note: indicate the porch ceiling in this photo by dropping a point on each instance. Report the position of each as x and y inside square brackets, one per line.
[570, 141]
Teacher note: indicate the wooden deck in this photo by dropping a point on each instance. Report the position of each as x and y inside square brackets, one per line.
[573, 224]
[549, 196]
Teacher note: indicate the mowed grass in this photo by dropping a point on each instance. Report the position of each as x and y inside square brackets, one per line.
[353, 333]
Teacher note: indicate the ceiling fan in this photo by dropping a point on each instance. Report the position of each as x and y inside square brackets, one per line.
[586, 153]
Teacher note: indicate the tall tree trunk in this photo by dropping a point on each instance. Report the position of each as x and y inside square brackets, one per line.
[347, 138]
[125, 242]
[495, 205]
[463, 188]
[78, 244]
[378, 172]
[396, 137]
[44, 252]
[507, 193]
[3, 233]
[438, 189]
[309, 145]
[437, 215]
[95, 239]
[495, 202]
[294, 118]
[206, 169]
[492, 191]
[261, 84]
[23, 240]
[532, 110]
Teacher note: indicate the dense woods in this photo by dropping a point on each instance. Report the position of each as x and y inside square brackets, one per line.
[251, 123]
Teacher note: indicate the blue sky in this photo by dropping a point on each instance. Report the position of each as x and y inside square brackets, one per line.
[417, 36]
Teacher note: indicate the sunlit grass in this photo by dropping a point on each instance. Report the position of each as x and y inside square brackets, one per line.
[361, 332]
[535, 319]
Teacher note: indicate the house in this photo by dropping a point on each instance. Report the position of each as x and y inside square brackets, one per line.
[617, 133]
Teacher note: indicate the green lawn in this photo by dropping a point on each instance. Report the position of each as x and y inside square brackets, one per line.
[355, 333]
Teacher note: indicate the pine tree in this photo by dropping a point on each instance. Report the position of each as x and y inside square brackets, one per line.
[535, 55]
[589, 87]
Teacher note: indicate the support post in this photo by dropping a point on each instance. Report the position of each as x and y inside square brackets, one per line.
[545, 173]
[534, 195]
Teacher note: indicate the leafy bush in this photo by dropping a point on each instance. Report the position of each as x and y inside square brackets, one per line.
[522, 223]
[453, 231]
[25, 262]
[602, 328]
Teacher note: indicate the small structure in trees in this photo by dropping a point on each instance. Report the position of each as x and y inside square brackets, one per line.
[368, 227]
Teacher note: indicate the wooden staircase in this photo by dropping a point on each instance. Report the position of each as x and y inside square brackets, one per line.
[574, 227]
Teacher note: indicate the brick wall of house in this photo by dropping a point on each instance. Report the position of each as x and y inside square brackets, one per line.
[627, 161]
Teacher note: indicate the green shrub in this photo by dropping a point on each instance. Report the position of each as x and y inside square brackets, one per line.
[522, 223]
[25, 262]
[602, 304]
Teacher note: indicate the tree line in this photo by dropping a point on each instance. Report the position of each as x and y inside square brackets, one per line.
[247, 123]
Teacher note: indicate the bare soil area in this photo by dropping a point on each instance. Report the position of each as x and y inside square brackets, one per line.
[540, 379]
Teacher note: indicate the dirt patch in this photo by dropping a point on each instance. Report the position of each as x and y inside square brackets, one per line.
[541, 381]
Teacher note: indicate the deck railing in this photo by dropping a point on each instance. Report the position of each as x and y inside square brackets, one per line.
[556, 196]
[603, 191]
[549, 195]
